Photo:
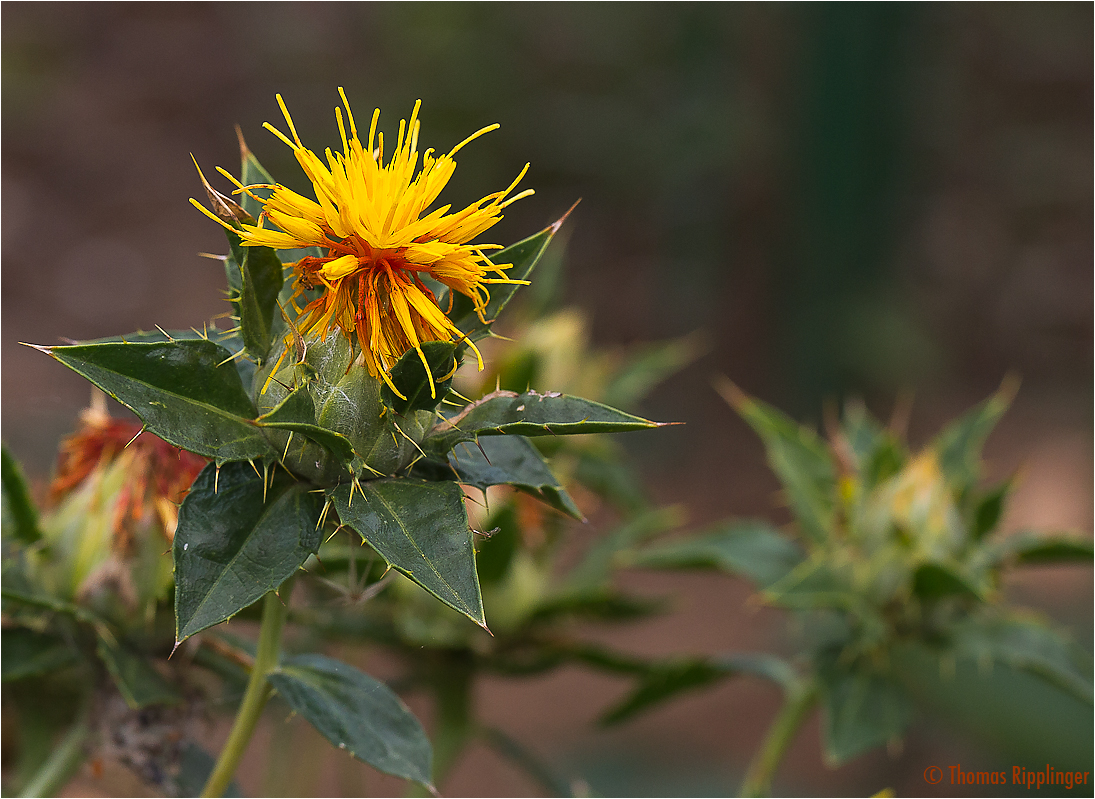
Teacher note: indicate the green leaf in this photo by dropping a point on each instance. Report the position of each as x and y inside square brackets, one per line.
[934, 580]
[599, 605]
[649, 367]
[230, 341]
[876, 453]
[1035, 548]
[26, 653]
[523, 255]
[606, 473]
[261, 272]
[182, 390]
[759, 664]
[1031, 646]
[422, 530]
[752, 549]
[531, 414]
[195, 766]
[797, 456]
[140, 684]
[20, 514]
[511, 460]
[409, 376]
[356, 713]
[595, 568]
[989, 510]
[958, 446]
[815, 583]
[861, 711]
[254, 273]
[252, 172]
[664, 681]
[297, 413]
[238, 539]
[1024, 717]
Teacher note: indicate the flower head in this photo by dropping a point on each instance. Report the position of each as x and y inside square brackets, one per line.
[371, 218]
[158, 474]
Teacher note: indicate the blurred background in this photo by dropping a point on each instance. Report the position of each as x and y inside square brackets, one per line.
[873, 200]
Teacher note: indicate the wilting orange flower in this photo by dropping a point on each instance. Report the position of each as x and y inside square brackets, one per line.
[371, 220]
[158, 474]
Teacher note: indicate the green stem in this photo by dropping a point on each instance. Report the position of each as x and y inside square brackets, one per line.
[800, 701]
[62, 761]
[274, 611]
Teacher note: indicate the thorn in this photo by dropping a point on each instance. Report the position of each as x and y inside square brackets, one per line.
[323, 514]
[40, 348]
[483, 451]
[212, 256]
[216, 478]
[176, 646]
[397, 427]
[288, 441]
[230, 358]
[554, 227]
[169, 336]
[244, 150]
[143, 428]
[256, 468]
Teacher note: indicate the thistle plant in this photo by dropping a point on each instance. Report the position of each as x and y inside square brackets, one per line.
[328, 406]
[893, 567]
[534, 601]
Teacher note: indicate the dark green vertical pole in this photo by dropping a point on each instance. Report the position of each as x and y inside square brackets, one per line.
[844, 184]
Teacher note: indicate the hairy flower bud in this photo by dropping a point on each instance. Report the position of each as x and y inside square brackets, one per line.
[347, 400]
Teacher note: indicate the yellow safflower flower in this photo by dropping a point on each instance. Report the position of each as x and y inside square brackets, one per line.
[371, 220]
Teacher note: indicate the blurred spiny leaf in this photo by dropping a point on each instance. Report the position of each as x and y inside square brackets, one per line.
[797, 456]
[20, 514]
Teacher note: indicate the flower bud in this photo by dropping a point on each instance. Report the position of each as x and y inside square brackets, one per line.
[346, 400]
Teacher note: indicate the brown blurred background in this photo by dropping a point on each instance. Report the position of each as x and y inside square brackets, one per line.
[847, 199]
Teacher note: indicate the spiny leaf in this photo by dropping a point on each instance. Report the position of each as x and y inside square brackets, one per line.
[184, 391]
[958, 447]
[1035, 548]
[662, 682]
[356, 713]
[531, 414]
[137, 680]
[409, 376]
[422, 530]
[935, 580]
[511, 460]
[17, 501]
[26, 653]
[261, 272]
[796, 455]
[297, 413]
[752, 549]
[861, 711]
[237, 539]
[523, 256]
